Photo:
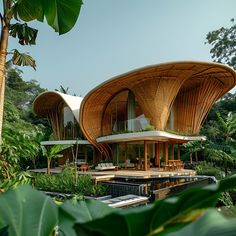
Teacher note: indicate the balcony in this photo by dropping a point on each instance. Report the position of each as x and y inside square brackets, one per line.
[133, 125]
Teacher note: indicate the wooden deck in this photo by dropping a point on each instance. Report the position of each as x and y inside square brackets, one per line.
[138, 174]
[127, 173]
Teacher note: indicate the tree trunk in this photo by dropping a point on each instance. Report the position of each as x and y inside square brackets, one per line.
[34, 164]
[49, 167]
[3, 54]
[191, 158]
[196, 157]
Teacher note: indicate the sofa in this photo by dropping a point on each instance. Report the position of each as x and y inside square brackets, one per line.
[105, 166]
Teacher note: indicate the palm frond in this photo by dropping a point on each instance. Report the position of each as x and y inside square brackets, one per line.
[23, 59]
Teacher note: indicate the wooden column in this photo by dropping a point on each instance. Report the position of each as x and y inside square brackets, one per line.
[166, 154]
[157, 155]
[178, 152]
[145, 151]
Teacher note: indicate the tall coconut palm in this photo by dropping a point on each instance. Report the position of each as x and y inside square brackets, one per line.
[61, 15]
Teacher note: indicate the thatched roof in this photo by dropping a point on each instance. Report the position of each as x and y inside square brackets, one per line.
[192, 86]
[48, 101]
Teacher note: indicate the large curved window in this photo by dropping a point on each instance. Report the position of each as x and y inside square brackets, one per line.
[71, 129]
[123, 114]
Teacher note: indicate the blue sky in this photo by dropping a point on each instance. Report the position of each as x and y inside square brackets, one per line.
[112, 37]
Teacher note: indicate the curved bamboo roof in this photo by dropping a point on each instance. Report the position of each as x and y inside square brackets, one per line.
[51, 100]
[191, 86]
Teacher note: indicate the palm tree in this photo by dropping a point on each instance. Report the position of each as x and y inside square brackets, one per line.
[60, 15]
[53, 152]
[63, 90]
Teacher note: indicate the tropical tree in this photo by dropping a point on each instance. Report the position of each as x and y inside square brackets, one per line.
[61, 15]
[53, 153]
[220, 147]
[223, 42]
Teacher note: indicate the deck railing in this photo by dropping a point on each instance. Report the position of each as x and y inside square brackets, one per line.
[132, 125]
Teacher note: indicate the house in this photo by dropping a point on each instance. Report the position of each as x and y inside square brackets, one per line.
[142, 116]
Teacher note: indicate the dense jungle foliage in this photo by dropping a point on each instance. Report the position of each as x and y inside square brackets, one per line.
[22, 130]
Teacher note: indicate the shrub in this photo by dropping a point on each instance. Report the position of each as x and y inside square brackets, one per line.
[66, 183]
[206, 168]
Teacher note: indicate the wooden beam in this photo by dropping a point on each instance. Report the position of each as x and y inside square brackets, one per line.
[157, 155]
[145, 156]
[166, 154]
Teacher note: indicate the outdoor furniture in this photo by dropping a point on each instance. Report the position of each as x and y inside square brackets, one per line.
[127, 164]
[84, 167]
[105, 166]
[174, 165]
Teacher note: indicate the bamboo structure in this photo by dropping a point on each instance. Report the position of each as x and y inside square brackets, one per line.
[55, 121]
[185, 89]
[50, 105]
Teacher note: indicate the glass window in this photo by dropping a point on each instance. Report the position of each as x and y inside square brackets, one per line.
[71, 128]
[123, 114]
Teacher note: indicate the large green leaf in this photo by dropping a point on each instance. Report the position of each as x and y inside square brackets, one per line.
[54, 151]
[24, 33]
[134, 222]
[80, 212]
[27, 212]
[28, 10]
[212, 223]
[62, 14]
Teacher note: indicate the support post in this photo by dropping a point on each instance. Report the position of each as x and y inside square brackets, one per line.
[166, 154]
[145, 156]
[157, 155]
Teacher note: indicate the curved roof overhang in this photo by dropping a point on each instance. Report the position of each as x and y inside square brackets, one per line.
[161, 83]
[156, 136]
[50, 100]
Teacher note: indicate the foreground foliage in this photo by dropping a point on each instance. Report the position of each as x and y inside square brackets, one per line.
[29, 212]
